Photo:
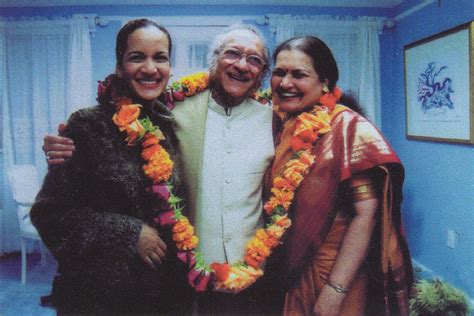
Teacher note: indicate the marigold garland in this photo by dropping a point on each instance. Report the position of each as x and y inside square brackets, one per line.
[189, 85]
[158, 167]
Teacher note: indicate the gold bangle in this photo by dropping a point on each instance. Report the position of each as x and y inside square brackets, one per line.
[337, 288]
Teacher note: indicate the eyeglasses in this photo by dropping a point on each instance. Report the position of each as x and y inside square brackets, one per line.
[255, 62]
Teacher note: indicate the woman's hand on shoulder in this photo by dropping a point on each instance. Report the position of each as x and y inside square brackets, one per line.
[150, 247]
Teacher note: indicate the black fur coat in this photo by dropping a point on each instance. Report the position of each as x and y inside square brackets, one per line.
[89, 213]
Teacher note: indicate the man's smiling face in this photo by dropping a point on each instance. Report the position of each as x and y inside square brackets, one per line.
[236, 81]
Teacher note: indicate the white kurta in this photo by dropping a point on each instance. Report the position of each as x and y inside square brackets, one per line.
[237, 150]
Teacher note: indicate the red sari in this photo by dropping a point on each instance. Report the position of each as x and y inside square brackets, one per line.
[352, 147]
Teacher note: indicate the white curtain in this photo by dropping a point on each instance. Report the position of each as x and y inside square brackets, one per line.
[190, 48]
[355, 45]
[46, 74]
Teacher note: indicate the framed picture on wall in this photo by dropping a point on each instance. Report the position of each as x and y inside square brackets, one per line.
[439, 80]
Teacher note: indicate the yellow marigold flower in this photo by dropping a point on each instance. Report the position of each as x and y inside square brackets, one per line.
[158, 172]
[306, 158]
[184, 235]
[317, 123]
[306, 122]
[261, 234]
[281, 183]
[294, 165]
[256, 246]
[294, 178]
[181, 225]
[269, 240]
[188, 244]
[157, 156]
[323, 127]
[283, 197]
[192, 242]
[194, 83]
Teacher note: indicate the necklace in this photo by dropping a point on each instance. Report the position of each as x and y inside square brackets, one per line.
[158, 167]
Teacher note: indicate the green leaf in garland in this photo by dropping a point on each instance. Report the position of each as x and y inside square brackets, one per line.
[200, 263]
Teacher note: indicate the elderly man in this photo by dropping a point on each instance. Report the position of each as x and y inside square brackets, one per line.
[226, 145]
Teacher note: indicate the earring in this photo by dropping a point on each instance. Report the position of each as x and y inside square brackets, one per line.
[325, 88]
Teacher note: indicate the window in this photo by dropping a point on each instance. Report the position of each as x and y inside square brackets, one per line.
[190, 48]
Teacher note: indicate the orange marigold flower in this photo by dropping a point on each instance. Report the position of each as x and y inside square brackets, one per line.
[295, 178]
[131, 138]
[308, 135]
[255, 254]
[270, 205]
[305, 122]
[158, 158]
[256, 246]
[181, 225]
[269, 240]
[306, 158]
[257, 259]
[149, 139]
[281, 183]
[324, 122]
[294, 172]
[184, 235]
[191, 90]
[156, 153]
[126, 115]
[298, 144]
[188, 244]
[294, 165]
[272, 241]
[310, 125]
[283, 197]
[261, 234]
[283, 221]
[252, 262]
[159, 172]
[221, 270]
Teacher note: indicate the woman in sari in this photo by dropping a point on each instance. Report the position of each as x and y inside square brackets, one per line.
[345, 253]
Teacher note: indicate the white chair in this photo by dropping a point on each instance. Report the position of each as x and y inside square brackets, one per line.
[24, 183]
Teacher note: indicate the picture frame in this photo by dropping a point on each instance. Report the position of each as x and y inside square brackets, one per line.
[439, 80]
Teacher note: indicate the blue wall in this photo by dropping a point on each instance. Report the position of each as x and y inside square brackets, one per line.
[439, 187]
[439, 190]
